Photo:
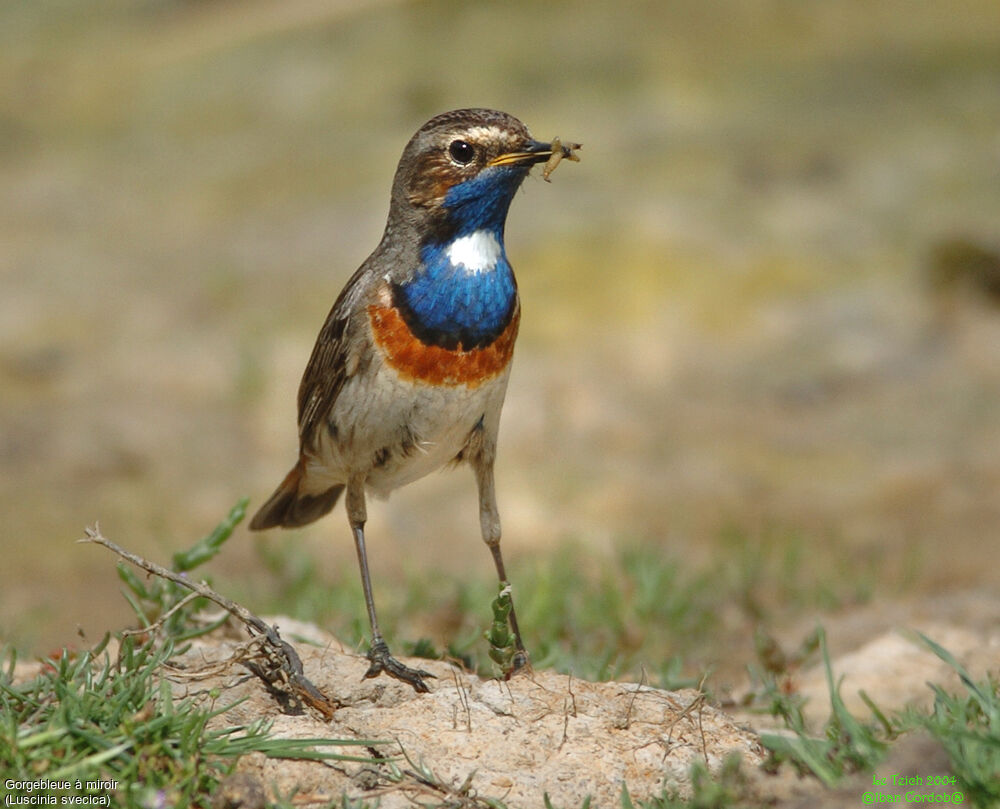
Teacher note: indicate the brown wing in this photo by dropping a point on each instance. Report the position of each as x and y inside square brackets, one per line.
[321, 384]
[335, 356]
[324, 376]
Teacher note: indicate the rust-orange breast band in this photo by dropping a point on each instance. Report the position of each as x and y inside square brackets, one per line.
[434, 365]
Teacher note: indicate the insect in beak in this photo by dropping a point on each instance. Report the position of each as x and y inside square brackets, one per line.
[540, 152]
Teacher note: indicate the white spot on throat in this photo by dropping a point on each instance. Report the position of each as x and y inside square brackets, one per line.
[477, 253]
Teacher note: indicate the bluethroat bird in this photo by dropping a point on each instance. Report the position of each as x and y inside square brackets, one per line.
[410, 369]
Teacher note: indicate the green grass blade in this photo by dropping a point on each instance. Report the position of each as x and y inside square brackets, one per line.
[205, 548]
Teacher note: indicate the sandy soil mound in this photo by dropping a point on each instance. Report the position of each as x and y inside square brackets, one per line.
[471, 739]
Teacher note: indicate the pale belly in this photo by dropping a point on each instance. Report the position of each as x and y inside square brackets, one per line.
[396, 431]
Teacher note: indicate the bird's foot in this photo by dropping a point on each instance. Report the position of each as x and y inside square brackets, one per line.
[519, 663]
[382, 661]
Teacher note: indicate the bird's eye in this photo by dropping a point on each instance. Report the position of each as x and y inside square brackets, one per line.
[461, 152]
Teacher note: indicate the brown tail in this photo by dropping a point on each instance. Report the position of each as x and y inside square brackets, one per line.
[290, 509]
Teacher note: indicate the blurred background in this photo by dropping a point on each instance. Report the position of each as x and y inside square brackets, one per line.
[760, 318]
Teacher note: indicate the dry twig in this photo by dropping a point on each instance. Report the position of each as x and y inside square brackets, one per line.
[278, 665]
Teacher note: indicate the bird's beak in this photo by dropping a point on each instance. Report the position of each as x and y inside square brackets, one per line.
[537, 151]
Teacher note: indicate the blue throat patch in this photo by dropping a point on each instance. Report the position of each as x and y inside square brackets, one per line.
[482, 202]
[450, 306]
[454, 306]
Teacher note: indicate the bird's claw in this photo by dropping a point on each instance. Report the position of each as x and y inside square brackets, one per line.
[518, 663]
[382, 661]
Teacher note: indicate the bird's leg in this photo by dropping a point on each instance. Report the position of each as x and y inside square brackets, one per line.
[489, 521]
[378, 652]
